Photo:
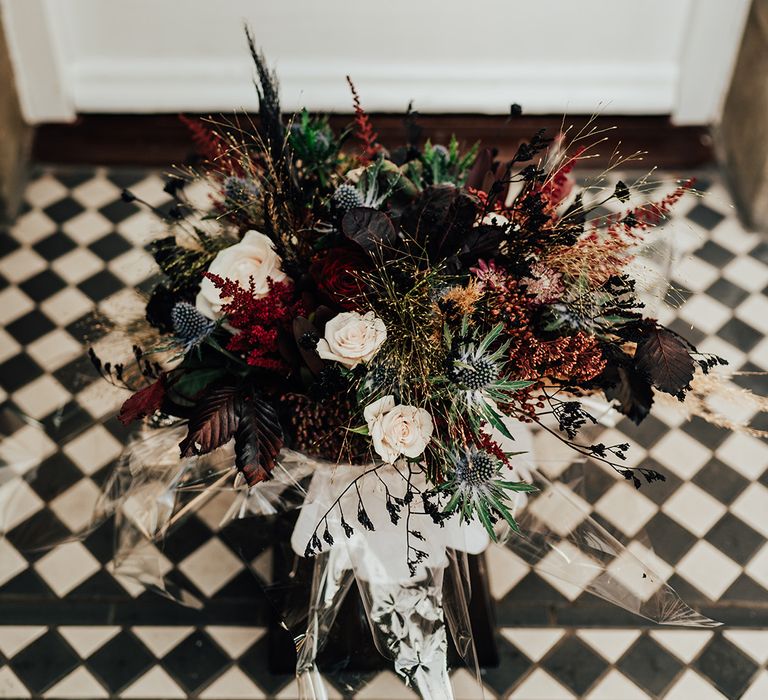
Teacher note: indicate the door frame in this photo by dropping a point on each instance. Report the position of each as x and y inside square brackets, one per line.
[708, 57]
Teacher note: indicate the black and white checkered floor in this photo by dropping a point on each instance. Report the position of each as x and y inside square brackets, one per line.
[69, 629]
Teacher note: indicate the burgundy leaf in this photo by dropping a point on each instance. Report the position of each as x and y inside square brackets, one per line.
[369, 228]
[258, 439]
[214, 422]
[632, 392]
[665, 359]
[144, 402]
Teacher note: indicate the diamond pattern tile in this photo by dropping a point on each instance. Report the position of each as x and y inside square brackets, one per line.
[71, 626]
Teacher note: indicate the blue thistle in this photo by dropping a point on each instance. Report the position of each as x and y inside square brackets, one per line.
[347, 197]
[240, 190]
[189, 325]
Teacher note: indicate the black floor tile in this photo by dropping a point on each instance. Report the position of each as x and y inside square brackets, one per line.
[513, 664]
[30, 327]
[63, 210]
[77, 374]
[754, 378]
[745, 592]
[38, 534]
[101, 585]
[692, 334]
[110, 246]
[728, 667]
[720, 481]
[7, 244]
[118, 211]
[670, 540]
[89, 328]
[185, 539]
[660, 491]
[255, 664]
[735, 538]
[54, 246]
[705, 216]
[711, 436]
[19, 370]
[54, 476]
[647, 434]
[72, 177]
[43, 285]
[574, 664]
[726, 292]
[66, 422]
[714, 254]
[196, 661]
[651, 667]
[760, 252]
[44, 662]
[739, 334]
[101, 285]
[120, 661]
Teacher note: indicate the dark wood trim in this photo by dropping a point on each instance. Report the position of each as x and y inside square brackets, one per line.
[161, 140]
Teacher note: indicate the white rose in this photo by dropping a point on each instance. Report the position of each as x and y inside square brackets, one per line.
[352, 338]
[253, 257]
[397, 430]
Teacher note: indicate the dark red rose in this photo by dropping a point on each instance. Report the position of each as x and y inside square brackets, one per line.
[336, 273]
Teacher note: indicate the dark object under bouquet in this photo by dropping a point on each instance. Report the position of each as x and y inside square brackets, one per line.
[405, 315]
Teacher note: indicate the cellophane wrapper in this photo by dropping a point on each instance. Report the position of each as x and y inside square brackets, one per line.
[414, 614]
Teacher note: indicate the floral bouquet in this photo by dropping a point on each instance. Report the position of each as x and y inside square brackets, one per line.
[378, 330]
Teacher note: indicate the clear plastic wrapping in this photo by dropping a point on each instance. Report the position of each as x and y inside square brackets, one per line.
[414, 587]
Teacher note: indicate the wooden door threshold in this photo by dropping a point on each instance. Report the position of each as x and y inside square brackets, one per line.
[160, 140]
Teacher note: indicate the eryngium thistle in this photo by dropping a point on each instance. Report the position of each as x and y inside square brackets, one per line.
[240, 190]
[347, 197]
[189, 325]
[473, 373]
[475, 468]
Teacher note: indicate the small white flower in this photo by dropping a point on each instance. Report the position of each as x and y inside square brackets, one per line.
[254, 257]
[397, 430]
[352, 338]
[495, 219]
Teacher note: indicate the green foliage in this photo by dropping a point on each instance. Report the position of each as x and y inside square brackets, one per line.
[316, 149]
[447, 165]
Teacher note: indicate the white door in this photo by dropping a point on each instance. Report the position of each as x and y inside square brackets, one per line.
[472, 56]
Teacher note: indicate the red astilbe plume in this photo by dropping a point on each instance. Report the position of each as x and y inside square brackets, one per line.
[210, 145]
[607, 247]
[364, 129]
[653, 213]
[559, 185]
[646, 215]
[258, 320]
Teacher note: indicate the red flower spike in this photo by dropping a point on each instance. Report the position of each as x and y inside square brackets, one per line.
[364, 129]
[210, 145]
[259, 320]
[559, 185]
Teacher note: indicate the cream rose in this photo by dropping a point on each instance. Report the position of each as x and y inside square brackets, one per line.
[397, 430]
[254, 258]
[352, 338]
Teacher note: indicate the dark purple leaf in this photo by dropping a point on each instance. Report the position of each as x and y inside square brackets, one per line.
[213, 423]
[369, 228]
[632, 392]
[258, 439]
[665, 358]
